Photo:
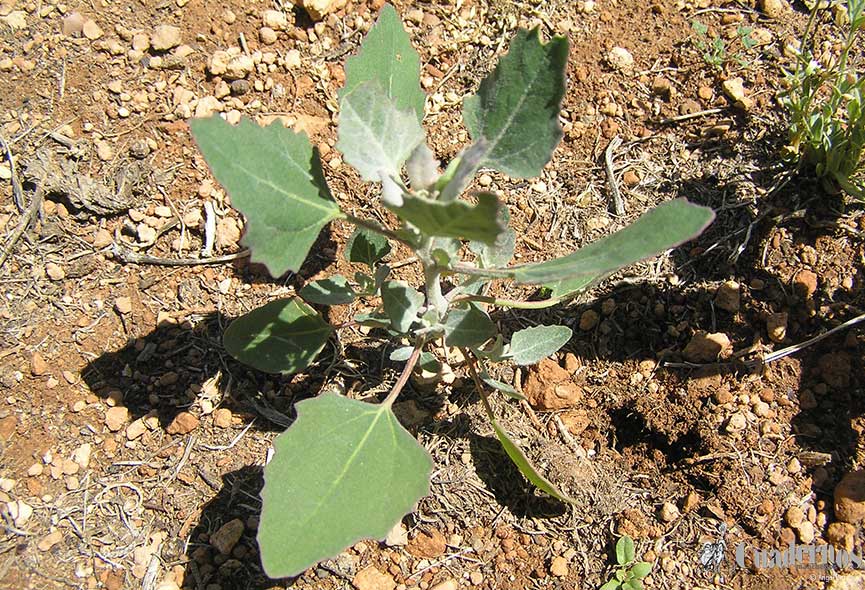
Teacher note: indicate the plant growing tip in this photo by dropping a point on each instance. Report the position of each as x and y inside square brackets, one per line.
[346, 469]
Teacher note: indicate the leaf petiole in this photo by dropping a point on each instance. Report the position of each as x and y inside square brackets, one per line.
[403, 378]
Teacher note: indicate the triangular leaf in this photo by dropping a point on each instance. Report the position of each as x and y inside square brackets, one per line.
[468, 326]
[387, 56]
[624, 550]
[401, 304]
[274, 178]
[530, 345]
[334, 290]
[374, 135]
[516, 109]
[282, 336]
[664, 227]
[318, 495]
[500, 252]
[454, 219]
[366, 247]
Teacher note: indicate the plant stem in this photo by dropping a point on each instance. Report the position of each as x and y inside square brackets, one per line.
[478, 385]
[490, 273]
[403, 378]
[377, 228]
[515, 303]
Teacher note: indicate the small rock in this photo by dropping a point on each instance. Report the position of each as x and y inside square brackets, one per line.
[239, 67]
[222, 418]
[776, 326]
[123, 305]
[146, 234]
[398, 535]
[734, 88]
[141, 42]
[183, 423]
[794, 466]
[559, 566]
[847, 581]
[773, 8]
[104, 151]
[427, 545]
[485, 180]
[706, 348]
[736, 423]
[267, 35]
[49, 540]
[318, 9]
[705, 92]
[662, 86]
[806, 532]
[450, 584]
[621, 59]
[207, 106]
[81, 455]
[116, 417]
[850, 498]
[227, 536]
[549, 387]
[136, 429]
[692, 500]
[35, 470]
[369, 578]
[55, 272]
[73, 24]
[275, 19]
[588, 320]
[38, 366]
[794, 516]
[630, 179]
[102, 238]
[842, 535]
[227, 233]
[91, 30]
[805, 284]
[165, 37]
[668, 512]
[20, 511]
[476, 578]
[728, 297]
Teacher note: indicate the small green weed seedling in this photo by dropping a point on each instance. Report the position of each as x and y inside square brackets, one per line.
[715, 49]
[630, 573]
[826, 106]
[345, 469]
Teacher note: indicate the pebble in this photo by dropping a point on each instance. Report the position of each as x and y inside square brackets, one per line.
[183, 423]
[621, 59]
[588, 320]
[805, 284]
[227, 233]
[773, 8]
[49, 541]
[165, 37]
[728, 297]
[370, 578]
[207, 106]
[91, 30]
[116, 417]
[476, 578]
[806, 532]
[549, 387]
[35, 470]
[318, 9]
[104, 151]
[734, 88]
[794, 516]
[20, 511]
[692, 500]
[850, 498]
[141, 42]
[485, 180]
[450, 584]
[38, 366]
[668, 512]
[81, 455]
[842, 535]
[559, 566]
[794, 466]
[73, 24]
[398, 535]
[136, 429]
[630, 178]
[776, 326]
[55, 272]
[123, 305]
[145, 233]
[736, 423]
[267, 35]
[427, 545]
[227, 536]
[222, 418]
[275, 19]
[706, 348]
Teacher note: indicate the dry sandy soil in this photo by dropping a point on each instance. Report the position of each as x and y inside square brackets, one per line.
[132, 445]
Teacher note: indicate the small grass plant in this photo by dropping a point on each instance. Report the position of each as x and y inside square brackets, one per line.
[716, 52]
[630, 573]
[345, 469]
[825, 103]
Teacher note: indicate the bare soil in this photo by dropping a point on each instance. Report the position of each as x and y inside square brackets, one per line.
[107, 305]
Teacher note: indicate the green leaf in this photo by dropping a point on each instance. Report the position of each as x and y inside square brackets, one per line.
[401, 304]
[422, 168]
[274, 178]
[401, 354]
[428, 362]
[516, 109]
[624, 550]
[374, 135]
[373, 320]
[461, 170]
[334, 290]
[468, 325]
[387, 56]
[664, 227]
[454, 219]
[282, 336]
[522, 462]
[501, 386]
[343, 471]
[632, 584]
[641, 569]
[366, 247]
[530, 345]
[500, 252]
[611, 585]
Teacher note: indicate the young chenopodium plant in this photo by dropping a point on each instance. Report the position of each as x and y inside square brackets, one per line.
[346, 469]
[826, 106]
[630, 573]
